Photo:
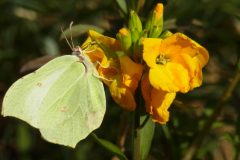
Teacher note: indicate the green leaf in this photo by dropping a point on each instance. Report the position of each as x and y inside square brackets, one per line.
[146, 135]
[64, 99]
[33, 5]
[140, 4]
[24, 139]
[80, 29]
[123, 6]
[109, 146]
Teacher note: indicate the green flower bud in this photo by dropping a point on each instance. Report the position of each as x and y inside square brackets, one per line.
[135, 22]
[155, 32]
[135, 35]
[165, 34]
[124, 36]
[154, 24]
[144, 33]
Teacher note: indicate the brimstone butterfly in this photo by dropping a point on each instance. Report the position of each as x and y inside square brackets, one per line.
[64, 99]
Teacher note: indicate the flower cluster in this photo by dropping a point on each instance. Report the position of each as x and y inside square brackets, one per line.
[161, 63]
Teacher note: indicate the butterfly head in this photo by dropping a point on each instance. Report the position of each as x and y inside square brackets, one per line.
[77, 51]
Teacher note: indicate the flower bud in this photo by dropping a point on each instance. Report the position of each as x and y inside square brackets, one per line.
[124, 36]
[166, 34]
[154, 24]
[135, 36]
[155, 32]
[135, 22]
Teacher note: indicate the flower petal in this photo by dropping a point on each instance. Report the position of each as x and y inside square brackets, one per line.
[193, 67]
[186, 46]
[161, 101]
[171, 77]
[157, 101]
[131, 72]
[96, 55]
[146, 89]
[112, 74]
[112, 43]
[122, 95]
[151, 47]
[109, 70]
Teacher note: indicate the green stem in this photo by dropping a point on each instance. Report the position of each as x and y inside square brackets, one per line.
[189, 154]
[137, 126]
[136, 135]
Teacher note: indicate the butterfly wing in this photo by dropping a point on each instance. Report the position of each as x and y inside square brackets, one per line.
[75, 113]
[60, 99]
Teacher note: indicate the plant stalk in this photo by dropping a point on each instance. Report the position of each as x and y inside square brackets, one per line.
[136, 135]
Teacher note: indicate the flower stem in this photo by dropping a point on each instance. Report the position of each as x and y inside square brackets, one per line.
[136, 135]
[136, 131]
[189, 154]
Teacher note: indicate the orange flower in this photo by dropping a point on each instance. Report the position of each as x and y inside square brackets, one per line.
[115, 72]
[121, 80]
[175, 62]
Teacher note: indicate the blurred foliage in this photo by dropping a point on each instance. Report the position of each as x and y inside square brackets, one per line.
[31, 29]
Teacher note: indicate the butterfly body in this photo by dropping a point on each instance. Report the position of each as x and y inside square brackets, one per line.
[84, 59]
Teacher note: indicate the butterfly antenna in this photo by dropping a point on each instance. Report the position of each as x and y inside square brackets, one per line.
[66, 39]
[70, 28]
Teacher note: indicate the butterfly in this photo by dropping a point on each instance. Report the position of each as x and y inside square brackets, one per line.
[64, 99]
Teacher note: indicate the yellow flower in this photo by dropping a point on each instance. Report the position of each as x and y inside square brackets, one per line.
[157, 101]
[175, 62]
[115, 72]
